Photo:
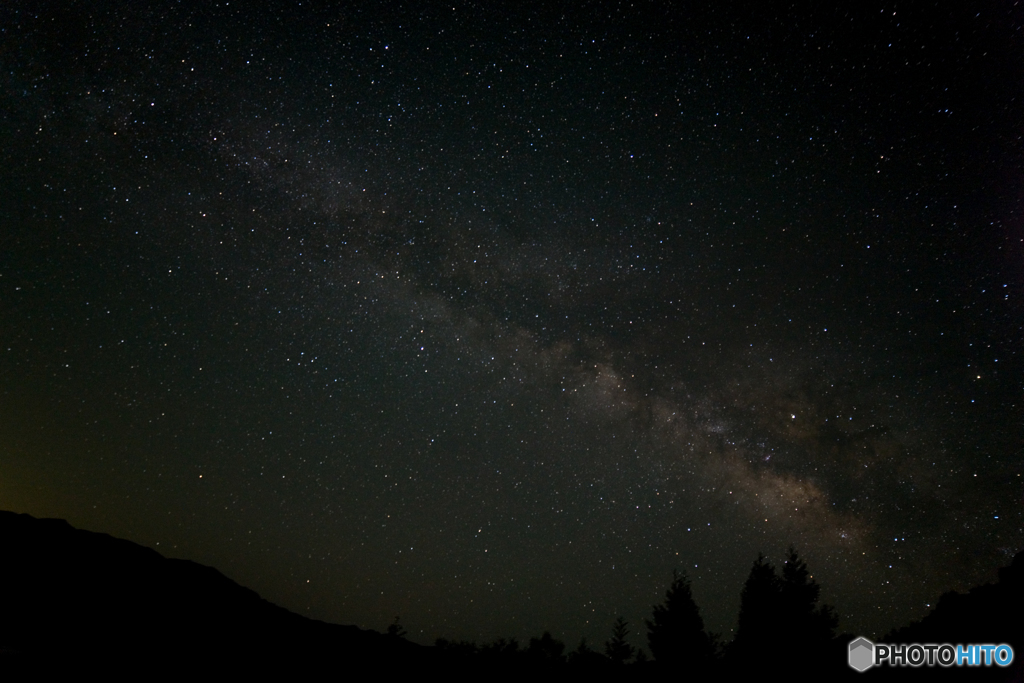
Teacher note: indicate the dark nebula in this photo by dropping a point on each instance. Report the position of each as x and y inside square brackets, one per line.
[491, 315]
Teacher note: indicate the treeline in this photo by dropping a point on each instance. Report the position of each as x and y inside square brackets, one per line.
[76, 601]
[779, 614]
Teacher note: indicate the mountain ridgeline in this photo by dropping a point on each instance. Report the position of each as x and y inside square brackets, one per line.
[75, 600]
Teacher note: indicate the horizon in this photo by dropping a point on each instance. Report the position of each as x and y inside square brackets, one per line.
[632, 634]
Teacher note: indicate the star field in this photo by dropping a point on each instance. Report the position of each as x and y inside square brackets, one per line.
[490, 316]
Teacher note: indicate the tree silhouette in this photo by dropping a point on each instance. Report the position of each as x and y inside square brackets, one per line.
[395, 630]
[585, 658]
[676, 633]
[618, 649]
[805, 625]
[545, 651]
[759, 612]
[803, 620]
[461, 649]
[780, 612]
[502, 655]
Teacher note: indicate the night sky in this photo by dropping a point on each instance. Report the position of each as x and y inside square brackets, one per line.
[490, 315]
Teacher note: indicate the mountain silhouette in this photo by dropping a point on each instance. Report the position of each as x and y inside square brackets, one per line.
[74, 599]
[986, 614]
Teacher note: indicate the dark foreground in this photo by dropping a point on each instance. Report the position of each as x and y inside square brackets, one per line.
[75, 601]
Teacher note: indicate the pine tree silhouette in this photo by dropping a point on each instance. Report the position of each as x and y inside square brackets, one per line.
[760, 603]
[395, 630]
[584, 658]
[780, 612]
[618, 649]
[676, 633]
[545, 651]
[803, 620]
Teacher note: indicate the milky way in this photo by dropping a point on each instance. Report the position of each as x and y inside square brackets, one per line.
[491, 318]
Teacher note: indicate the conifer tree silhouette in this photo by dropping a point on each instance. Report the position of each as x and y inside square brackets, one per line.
[676, 633]
[395, 630]
[545, 651]
[759, 614]
[780, 612]
[803, 620]
[618, 649]
[585, 658]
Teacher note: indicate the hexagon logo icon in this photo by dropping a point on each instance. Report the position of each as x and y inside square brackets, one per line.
[861, 654]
